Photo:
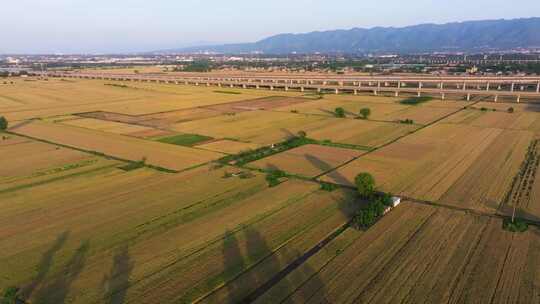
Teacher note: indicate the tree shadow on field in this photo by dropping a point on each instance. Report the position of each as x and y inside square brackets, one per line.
[45, 264]
[289, 134]
[325, 168]
[117, 281]
[313, 288]
[57, 288]
[249, 275]
[325, 111]
[233, 263]
[346, 205]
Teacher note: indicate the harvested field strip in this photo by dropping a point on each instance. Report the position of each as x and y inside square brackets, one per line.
[484, 185]
[25, 158]
[50, 177]
[245, 286]
[167, 156]
[203, 270]
[229, 146]
[107, 126]
[383, 235]
[441, 260]
[116, 215]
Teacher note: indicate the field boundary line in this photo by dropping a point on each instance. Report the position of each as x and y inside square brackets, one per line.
[100, 154]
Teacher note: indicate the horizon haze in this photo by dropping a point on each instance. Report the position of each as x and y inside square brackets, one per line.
[93, 27]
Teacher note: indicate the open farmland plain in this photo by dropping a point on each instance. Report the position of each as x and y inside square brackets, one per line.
[138, 192]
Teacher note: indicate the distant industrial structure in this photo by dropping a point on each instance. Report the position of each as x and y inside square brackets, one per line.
[466, 86]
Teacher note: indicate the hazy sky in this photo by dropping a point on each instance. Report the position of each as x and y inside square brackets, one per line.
[73, 26]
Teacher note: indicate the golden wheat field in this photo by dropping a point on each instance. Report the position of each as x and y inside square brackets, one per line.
[143, 192]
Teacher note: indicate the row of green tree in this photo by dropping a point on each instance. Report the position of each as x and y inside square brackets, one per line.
[364, 113]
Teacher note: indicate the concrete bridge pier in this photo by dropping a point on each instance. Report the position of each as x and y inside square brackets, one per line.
[375, 92]
[519, 98]
[244, 86]
[496, 98]
[488, 85]
[464, 86]
[302, 89]
[286, 88]
[319, 90]
[419, 94]
[355, 92]
[271, 88]
[396, 93]
[468, 97]
[512, 87]
[443, 97]
[538, 88]
[337, 91]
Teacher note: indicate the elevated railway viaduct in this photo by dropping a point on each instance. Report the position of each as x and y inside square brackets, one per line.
[517, 88]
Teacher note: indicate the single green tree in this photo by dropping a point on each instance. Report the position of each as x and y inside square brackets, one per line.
[3, 123]
[365, 112]
[339, 112]
[365, 184]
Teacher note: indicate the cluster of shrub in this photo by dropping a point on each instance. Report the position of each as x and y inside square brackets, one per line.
[123, 86]
[407, 121]
[274, 177]
[516, 225]
[3, 123]
[364, 113]
[484, 109]
[241, 175]
[412, 101]
[377, 203]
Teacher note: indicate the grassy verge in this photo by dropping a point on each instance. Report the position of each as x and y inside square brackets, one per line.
[228, 92]
[187, 140]
[413, 101]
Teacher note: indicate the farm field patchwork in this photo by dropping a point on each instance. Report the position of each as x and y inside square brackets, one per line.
[133, 192]
[382, 108]
[308, 160]
[422, 254]
[457, 164]
[266, 128]
[39, 98]
[521, 120]
[20, 156]
[159, 154]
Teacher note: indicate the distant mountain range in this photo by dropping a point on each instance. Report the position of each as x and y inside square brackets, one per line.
[458, 36]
